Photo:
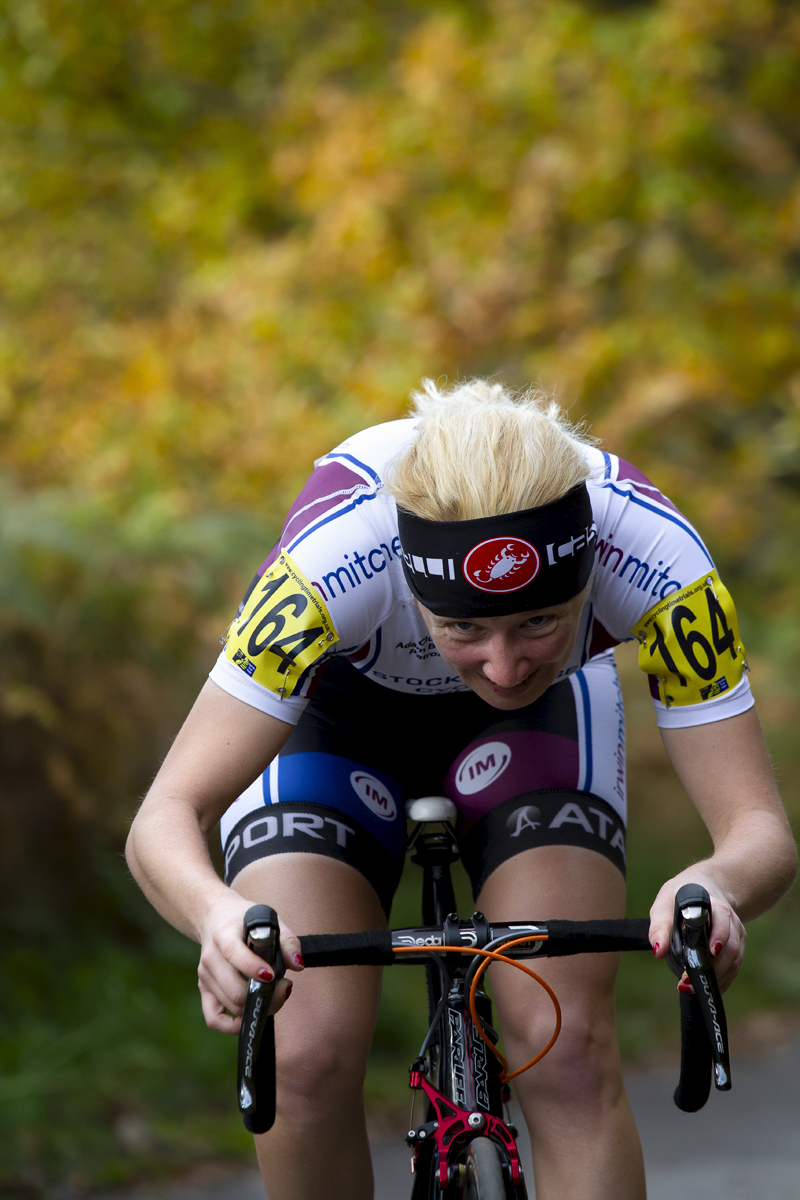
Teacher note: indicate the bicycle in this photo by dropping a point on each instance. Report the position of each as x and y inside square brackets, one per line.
[466, 1147]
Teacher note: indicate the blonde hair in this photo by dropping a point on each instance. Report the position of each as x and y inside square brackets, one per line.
[482, 450]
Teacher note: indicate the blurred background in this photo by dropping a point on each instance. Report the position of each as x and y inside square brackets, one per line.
[235, 231]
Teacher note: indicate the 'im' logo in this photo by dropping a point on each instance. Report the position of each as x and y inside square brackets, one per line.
[374, 794]
[482, 766]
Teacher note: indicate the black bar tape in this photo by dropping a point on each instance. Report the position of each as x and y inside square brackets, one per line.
[373, 948]
[594, 937]
[694, 1084]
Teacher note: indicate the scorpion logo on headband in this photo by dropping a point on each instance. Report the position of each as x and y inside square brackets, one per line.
[501, 565]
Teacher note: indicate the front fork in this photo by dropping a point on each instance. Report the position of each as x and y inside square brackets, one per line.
[452, 1128]
[473, 1093]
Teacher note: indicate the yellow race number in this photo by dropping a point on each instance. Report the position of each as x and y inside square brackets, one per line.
[283, 629]
[690, 642]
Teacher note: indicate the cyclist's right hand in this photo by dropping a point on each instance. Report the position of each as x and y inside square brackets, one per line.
[226, 965]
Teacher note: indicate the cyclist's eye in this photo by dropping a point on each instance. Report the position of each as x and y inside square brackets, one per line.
[462, 626]
[537, 622]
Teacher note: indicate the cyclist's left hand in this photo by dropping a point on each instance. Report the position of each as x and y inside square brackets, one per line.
[226, 964]
[727, 937]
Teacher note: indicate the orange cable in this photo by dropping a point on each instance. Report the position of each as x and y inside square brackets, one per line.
[506, 1076]
[489, 956]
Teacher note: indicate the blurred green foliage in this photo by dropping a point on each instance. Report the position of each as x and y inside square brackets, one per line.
[232, 233]
[110, 1070]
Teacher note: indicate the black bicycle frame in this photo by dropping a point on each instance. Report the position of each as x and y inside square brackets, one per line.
[454, 1069]
[464, 1073]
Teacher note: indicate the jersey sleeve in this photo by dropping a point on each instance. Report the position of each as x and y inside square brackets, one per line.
[655, 581]
[333, 577]
[275, 646]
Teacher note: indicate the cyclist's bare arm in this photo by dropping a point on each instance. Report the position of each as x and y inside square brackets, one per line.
[725, 768]
[223, 746]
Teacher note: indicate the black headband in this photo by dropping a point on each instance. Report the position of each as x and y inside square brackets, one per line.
[498, 565]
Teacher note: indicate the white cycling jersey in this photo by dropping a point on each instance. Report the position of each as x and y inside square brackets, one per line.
[334, 585]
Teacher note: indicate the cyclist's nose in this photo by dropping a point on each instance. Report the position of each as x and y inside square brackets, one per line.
[505, 668]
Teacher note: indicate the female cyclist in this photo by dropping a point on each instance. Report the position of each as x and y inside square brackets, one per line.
[439, 616]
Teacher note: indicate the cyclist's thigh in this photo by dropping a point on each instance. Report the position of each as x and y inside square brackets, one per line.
[571, 883]
[543, 836]
[320, 836]
[328, 1021]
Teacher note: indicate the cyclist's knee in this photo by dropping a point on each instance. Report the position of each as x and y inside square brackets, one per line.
[314, 1079]
[322, 1046]
[583, 1063]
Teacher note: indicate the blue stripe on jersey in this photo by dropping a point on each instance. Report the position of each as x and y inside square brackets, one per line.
[356, 463]
[667, 516]
[587, 730]
[303, 680]
[373, 660]
[607, 473]
[325, 520]
[588, 636]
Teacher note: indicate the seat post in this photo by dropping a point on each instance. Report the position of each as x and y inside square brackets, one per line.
[435, 851]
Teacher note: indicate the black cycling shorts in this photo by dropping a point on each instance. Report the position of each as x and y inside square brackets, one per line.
[552, 773]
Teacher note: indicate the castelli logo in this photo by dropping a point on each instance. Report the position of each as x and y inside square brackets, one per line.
[501, 565]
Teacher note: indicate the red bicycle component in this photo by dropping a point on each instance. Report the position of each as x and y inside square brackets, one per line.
[451, 1121]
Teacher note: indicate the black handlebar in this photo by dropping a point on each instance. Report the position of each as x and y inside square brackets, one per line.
[703, 1027]
[376, 947]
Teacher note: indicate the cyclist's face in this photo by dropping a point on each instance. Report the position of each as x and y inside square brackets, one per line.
[508, 661]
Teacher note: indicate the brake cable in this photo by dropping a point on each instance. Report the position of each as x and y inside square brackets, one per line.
[489, 956]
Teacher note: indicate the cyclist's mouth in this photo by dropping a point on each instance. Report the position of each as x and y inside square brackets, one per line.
[508, 693]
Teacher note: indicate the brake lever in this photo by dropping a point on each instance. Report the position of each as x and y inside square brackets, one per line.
[256, 1082]
[689, 951]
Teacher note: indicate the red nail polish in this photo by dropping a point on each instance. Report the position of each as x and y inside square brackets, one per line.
[656, 947]
[266, 974]
[289, 990]
[715, 949]
[685, 986]
[298, 960]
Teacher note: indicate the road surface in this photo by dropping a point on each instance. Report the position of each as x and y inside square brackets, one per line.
[745, 1145]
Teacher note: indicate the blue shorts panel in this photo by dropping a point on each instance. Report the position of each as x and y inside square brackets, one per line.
[368, 796]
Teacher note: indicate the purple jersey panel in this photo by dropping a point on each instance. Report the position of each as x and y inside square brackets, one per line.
[629, 474]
